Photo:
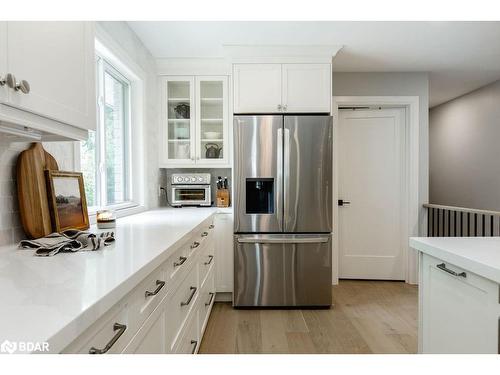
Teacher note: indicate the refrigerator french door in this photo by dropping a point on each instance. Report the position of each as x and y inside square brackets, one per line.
[283, 210]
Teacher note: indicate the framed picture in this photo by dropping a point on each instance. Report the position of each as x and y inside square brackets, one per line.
[67, 202]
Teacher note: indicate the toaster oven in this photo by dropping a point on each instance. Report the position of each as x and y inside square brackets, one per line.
[191, 189]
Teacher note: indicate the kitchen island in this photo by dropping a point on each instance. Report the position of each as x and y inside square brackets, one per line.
[459, 294]
[56, 299]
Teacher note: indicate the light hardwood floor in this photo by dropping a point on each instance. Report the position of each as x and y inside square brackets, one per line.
[367, 317]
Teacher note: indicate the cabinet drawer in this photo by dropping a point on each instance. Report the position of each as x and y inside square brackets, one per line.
[108, 335]
[180, 304]
[189, 342]
[206, 262]
[145, 297]
[177, 263]
[207, 298]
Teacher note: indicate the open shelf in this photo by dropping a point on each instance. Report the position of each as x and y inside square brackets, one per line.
[212, 140]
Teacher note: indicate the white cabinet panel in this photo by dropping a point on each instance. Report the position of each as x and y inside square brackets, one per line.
[224, 251]
[306, 87]
[257, 88]
[460, 313]
[57, 60]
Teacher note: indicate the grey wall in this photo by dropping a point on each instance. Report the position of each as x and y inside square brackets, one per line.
[465, 150]
[395, 84]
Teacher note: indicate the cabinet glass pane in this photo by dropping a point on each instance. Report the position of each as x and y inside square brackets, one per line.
[179, 119]
[211, 119]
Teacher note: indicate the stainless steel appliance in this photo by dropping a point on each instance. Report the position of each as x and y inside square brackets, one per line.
[283, 210]
[191, 189]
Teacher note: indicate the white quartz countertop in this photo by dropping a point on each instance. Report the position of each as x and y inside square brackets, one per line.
[479, 255]
[54, 299]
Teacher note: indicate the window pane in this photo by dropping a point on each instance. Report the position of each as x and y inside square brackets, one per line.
[88, 165]
[114, 133]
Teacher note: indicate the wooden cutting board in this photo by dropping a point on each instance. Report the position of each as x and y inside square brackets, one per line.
[32, 190]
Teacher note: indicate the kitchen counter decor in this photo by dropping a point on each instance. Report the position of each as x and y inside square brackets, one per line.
[105, 219]
[67, 202]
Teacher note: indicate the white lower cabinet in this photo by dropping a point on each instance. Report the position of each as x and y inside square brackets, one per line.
[459, 311]
[167, 311]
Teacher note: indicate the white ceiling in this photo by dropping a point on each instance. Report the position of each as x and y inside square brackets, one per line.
[460, 56]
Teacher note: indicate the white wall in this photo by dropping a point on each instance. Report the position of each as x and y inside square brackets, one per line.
[135, 50]
[396, 84]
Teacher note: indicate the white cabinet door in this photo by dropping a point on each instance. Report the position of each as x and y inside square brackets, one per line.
[212, 120]
[459, 313]
[307, 87]
[257, 88]
[57, 60]
[224, 252]
[178, 119]
[3, 61]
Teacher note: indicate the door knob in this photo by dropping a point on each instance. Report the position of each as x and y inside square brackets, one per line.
[285, 107]
[22, 86]
[279, 107]
[2, 81]
[343, 202]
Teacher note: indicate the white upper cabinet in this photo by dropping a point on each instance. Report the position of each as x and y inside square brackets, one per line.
[257, 88]
[195, 121]
[306, 87]
[282, 88]
[52, 75]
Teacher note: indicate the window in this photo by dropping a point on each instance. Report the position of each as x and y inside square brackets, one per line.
[105, 155]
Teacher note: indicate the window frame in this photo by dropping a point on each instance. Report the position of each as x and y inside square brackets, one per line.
[107, 47]
[103, 67]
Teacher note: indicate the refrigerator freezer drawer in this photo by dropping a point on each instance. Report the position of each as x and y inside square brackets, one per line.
[282, 270]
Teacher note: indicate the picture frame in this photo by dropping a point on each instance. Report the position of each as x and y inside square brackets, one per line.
[67, 201]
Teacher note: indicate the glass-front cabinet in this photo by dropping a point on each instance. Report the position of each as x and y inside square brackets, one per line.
[195, 131]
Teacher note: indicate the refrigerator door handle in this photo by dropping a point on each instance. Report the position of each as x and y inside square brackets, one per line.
[279, 199]
[283, 240]
[286, 178]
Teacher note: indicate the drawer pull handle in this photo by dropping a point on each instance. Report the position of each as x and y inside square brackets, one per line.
[210, 300]
[195, 344]
[204, 234]
[116, 327]
[211, 226]
[195, 245]
[159, 284]
[442, 266]
[180, 262]
[193, 291]
[210, 258]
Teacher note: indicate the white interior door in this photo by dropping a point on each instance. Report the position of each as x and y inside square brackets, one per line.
[370, 176]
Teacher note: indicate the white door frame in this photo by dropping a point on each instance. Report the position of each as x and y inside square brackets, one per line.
[411, 155]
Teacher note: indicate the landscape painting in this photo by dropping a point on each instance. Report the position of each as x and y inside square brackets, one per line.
[69, 206]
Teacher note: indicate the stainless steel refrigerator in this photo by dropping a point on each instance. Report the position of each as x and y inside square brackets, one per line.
[283, 210]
